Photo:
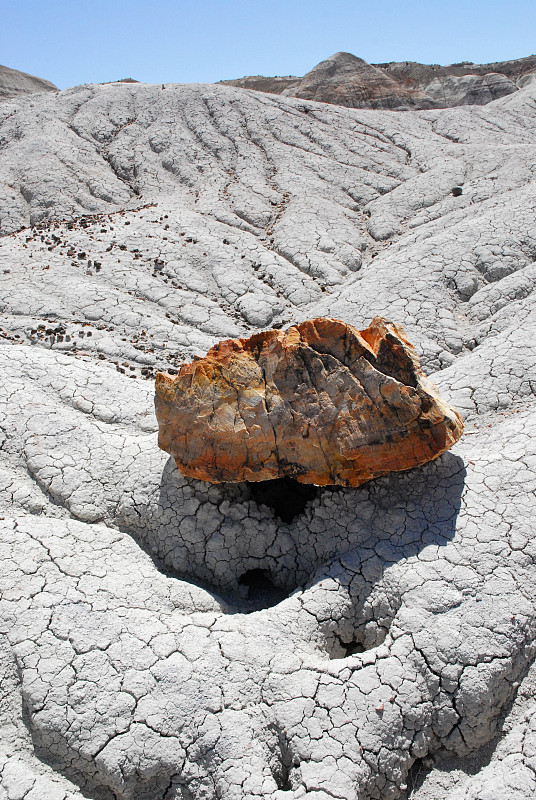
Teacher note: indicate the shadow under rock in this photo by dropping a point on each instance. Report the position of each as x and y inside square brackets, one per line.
[412, 510]
[251, 546]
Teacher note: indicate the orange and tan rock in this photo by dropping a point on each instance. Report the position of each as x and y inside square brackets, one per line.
[321, 402]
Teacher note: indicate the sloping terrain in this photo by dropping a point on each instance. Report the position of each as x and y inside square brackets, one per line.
[14, 83]
[346, 80]
[349, 81]
[168, 638]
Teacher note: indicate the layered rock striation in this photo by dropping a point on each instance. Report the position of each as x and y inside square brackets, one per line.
[346, 80]
[322, 403]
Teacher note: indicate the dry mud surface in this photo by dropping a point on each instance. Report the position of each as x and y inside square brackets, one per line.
[167, 638]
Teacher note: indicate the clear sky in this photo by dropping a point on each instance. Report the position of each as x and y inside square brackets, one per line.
[173, 41]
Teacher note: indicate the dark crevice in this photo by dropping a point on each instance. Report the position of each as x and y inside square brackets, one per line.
[282, 779]
[416, 775]
[336, 647]
[353, 647]
[287, 497]
[286, 763]
[260, 589]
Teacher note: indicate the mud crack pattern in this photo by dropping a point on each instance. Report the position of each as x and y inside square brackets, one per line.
[139, 227]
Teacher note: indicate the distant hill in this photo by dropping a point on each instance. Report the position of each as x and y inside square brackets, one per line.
[346, 80]
[120, 80]
[13, 83]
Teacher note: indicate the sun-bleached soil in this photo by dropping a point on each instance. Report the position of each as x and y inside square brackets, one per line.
[387, 650]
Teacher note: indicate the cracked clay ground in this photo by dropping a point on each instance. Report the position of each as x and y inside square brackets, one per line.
[390, 653]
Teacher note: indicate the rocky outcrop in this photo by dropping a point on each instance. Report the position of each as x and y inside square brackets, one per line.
[321, 402]
[412, 74]
[451, 90]
[349, 81]
[13, 83]
[261, 83]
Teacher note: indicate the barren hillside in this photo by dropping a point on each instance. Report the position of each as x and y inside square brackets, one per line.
[14, 83]
[344, 79]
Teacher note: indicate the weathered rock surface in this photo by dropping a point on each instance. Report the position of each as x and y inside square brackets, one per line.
[130, 667]
[322, 403]
[413, 74]
[261, 83]
[453, 90]
[14, 83]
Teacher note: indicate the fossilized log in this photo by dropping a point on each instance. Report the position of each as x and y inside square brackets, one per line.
[321, 402]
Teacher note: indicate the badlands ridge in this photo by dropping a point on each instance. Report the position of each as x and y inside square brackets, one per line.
[169, 638]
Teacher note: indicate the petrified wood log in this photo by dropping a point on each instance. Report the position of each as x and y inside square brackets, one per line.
[321, 402]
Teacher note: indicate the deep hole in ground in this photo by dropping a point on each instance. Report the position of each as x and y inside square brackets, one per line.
[353, 647]
[287, 497]
[350, 643]
[339, 648]
[261, 590]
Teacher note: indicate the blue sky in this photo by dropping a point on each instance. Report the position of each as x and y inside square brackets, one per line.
[85, 41]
